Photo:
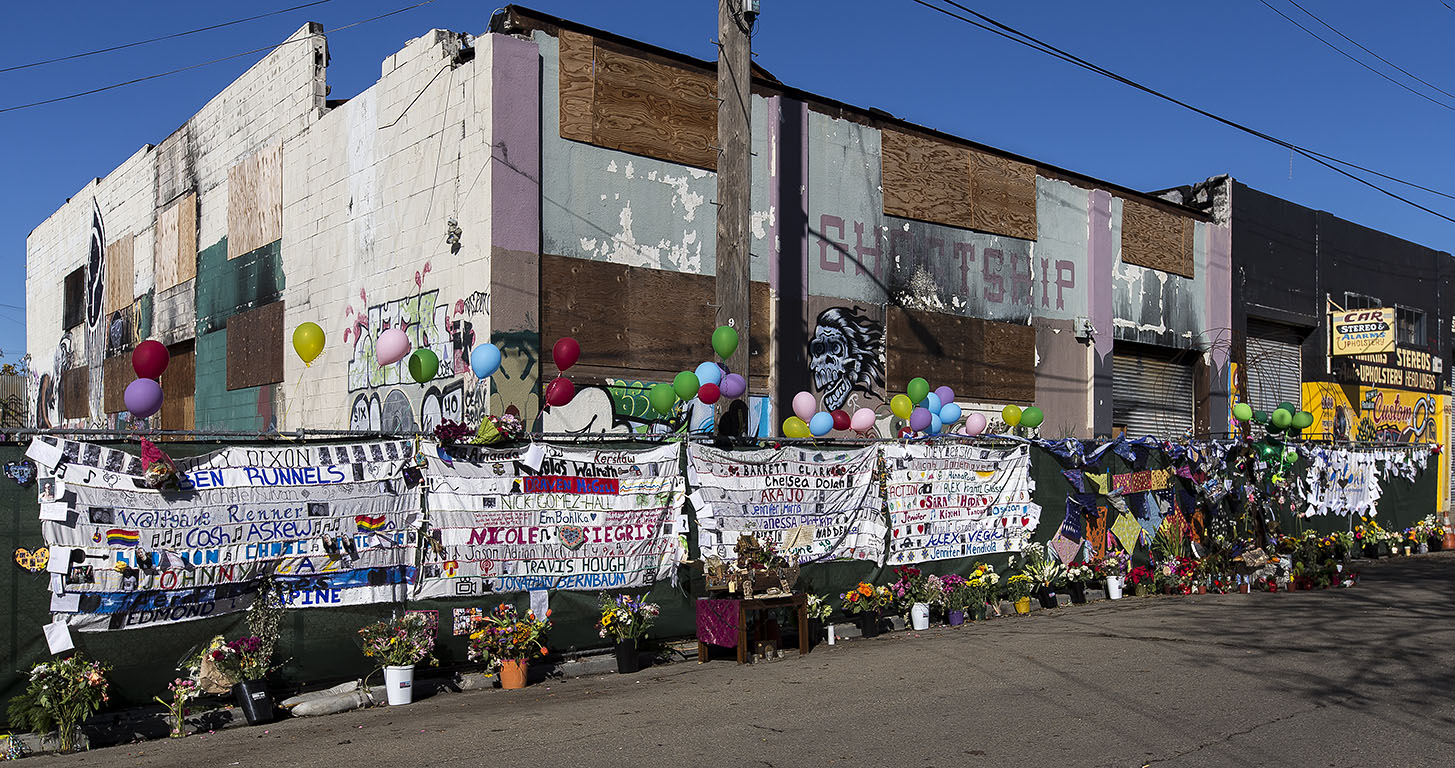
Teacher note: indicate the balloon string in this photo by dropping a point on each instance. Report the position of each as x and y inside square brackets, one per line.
[288, 404]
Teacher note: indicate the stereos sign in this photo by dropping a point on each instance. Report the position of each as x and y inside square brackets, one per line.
[1362, 331]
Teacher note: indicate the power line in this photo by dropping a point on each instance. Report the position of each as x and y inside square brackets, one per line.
[1355, 59]
[1034, 43]
[1315, 17]
[163, 37]
[134, 81]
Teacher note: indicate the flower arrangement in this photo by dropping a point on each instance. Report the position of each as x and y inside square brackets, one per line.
[183, 690]
[1041, 566]
[1019, 586]
[819, 609]
[59, 696]
[913, 586]
[756, 555]
[496, 429]
[1141, 576]
[983, 580]
[1112, 565]
[243, 659]
[450, 432]
[400, 642]
[867, 598]
[505, 635]
[1081, 572]
[624, 617]
[960, 594]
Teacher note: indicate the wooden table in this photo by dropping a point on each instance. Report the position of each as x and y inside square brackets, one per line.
[749, 606]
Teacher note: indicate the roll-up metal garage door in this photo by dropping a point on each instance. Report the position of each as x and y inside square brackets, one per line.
[1151, 396]
[1274, 359]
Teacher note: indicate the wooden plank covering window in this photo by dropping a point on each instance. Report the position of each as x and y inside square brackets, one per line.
[980, 359]
[116, 374]
[255, 347]
[937, 181]
[120, 275]
[1002, 196]
[639, 323]
[578, 85]
[76, 393]
[255, 201]
[175, 255]
[1156, 239]
[179, 385]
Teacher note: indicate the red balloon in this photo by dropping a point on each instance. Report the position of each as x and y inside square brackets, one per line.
[560, 391]
[841, 418]
[709, 393]
[149, 359]
[566, 352]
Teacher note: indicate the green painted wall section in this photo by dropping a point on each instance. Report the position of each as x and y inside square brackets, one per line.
[216, 406]
[228, 286]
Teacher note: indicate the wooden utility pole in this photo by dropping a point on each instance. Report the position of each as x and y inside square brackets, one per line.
[734, 82]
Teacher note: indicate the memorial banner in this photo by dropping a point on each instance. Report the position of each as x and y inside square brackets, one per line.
[949, 501]
[548, 517]
[1342, 482]
[813, 504]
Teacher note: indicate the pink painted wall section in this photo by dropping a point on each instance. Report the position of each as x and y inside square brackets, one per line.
[514, 170]
[1101, 258]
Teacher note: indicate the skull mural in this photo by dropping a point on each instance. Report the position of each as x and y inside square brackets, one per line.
[845, 354]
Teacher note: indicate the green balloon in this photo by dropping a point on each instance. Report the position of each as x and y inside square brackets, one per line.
[724, 342]
[918, 390]
[1303, 420]
[1032, 417]
[662, 398]
[423, 365]
[1287, 406]
[686, 385]
[1273, 428]
[1260, 416]
[1243, 412]
[1281, 418]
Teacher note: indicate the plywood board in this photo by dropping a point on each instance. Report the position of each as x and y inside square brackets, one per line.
[981, 360]
[1002, 196]
[175, 255]
[926, 179]
[179, 385]
[639, 323]
[255, 347]
[1156, 239]
[120, 274]
[1007, 370]
[653, 108]
[577, 85]
[116, 374]
[255, 201]
[76, 393]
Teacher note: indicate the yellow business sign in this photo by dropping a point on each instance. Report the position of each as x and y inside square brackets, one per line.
[1362, 331]
[1379, 414]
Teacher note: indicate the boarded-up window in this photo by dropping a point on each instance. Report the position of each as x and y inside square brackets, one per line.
[74, 310]
[1156, 239]
[76, 393]
[116, 374]
[255, 201]
[179, 384]
[620, 100]
[120, 275]
[980, 359]
[932, 180]
[176, 244]
[255, 347]
[639, 323]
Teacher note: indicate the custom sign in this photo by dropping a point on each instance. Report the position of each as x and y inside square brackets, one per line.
[813, 504]
[1361, 331]
[1141, 482]
[949, 501]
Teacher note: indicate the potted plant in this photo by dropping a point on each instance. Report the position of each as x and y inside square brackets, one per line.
[505, 642]
[1141, 579]
[626, 619]
[912, 589]
[958, 597]
[1018, 589]
[60, 695]
[399, 644]
[1076, 578]
[1045, 571]
[1112, 567]
[246, 662]
[867, 602]
[983, 582]
[819, 612]
[183, 690]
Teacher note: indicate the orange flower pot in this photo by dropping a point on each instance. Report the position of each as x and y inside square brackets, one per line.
[512, 674]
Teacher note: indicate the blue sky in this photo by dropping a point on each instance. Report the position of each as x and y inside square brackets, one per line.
[1236, 58]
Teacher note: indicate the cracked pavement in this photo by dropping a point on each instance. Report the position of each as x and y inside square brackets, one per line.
[1343, 677]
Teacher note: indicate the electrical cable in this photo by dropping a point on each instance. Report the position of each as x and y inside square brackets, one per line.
[134, 81]
[1408, 73]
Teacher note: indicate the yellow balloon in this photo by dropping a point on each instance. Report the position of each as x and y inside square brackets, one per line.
[1011, 415]
[308, 342]
[902, 406]
[795, 427]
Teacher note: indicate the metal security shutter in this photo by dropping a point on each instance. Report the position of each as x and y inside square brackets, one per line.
[1151, 395]
[1274, 360]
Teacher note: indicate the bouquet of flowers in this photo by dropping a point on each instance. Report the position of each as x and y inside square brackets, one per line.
[401, 642]
[1041, 566]
[983, 581]
[503, 634]
[867, 598]
[959, 594]
[451, 432]
[1141, 576]
[1019, 586]
[243, 659]
[1112, 565]
[183, 690]
[913, 586]
[496, 429]
[819, 608]
[60, 695]
[625, 617]
[1081, 572]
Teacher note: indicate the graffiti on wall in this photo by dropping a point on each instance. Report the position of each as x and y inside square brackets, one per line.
[621, 406]
[846, 354]
[422, 317]
[95, 268]
[515, 386]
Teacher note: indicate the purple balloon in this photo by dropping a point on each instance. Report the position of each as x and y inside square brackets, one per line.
[946, 394]
[733, 385]
[920, 420]
[143, 397]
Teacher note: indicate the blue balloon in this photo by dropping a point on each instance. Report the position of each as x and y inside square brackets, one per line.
[820, 424]
[950, 413]
[932, 403]
[936, 424]
[484, 360]
[709, 373]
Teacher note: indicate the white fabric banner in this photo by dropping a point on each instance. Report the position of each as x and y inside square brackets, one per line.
[948, 501]
[1342, 482]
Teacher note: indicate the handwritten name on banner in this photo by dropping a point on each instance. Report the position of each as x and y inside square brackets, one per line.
[815, 504]
[1140, 482]
[949, 501]
[582, 520]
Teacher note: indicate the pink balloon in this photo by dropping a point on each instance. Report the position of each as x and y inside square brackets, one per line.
[974, 424]
[143, 397]
[393, 346]
[862, 420]
[733, 386]
[804, 406]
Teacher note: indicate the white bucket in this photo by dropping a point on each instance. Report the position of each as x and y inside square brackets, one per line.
[1113, 588]
[399, 681]
[919, 616]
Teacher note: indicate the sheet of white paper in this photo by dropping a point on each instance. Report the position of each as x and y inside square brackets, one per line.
[59, 511]
[60, 560]
[58, 584]
[533, 457]
[692, 475]
[66, 603]
[698, 503]
[58, 636]
[44, 454]
[540, 602]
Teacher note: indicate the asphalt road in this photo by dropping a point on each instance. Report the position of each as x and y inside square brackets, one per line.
[1345, 677]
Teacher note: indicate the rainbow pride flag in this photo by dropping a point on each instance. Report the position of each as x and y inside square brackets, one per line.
[371, 523]
[120, 537]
